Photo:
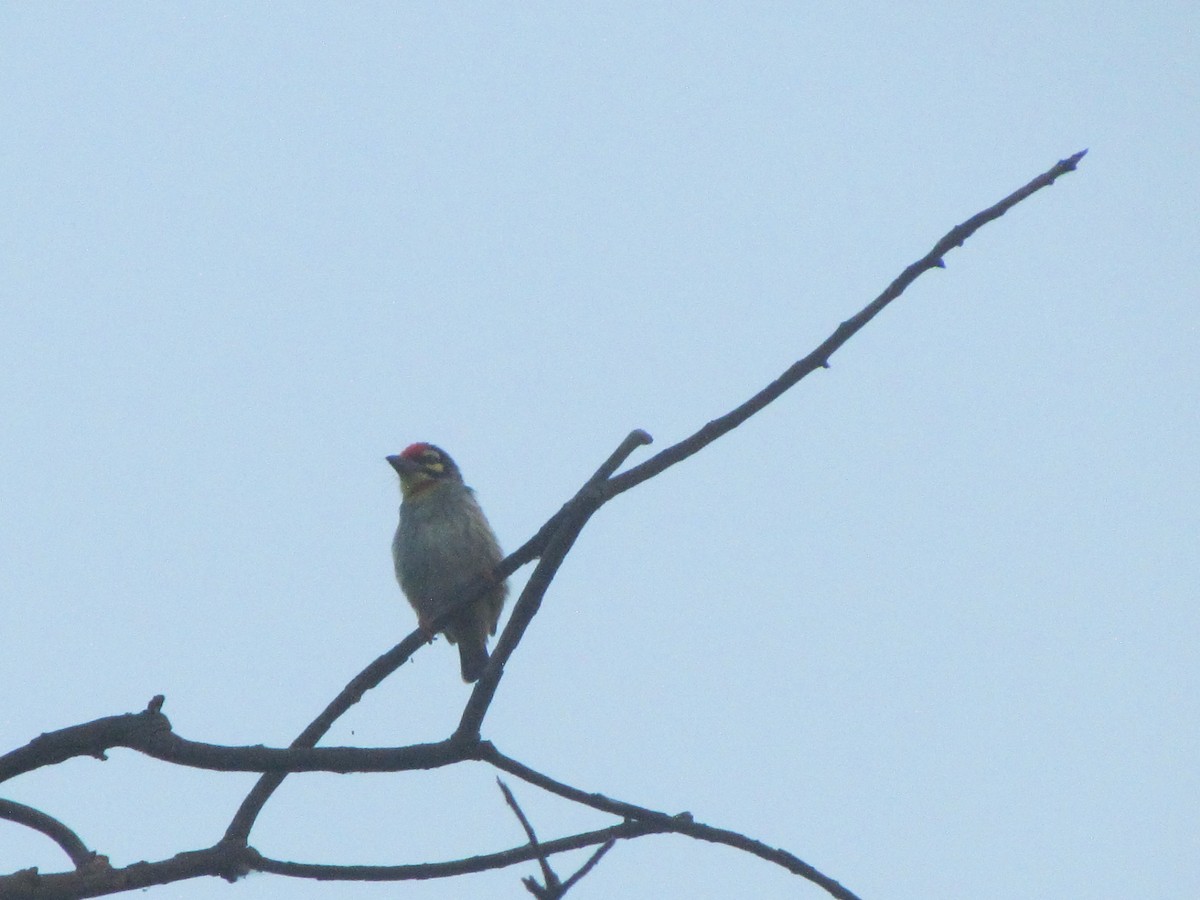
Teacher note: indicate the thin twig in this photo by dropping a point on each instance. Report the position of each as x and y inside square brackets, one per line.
[589, 865]
[371, 676]
[552, 883]
[819, 358]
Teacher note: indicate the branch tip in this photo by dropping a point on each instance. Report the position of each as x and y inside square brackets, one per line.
[1073, 160]
[552, 883]
[636, 438]
[590, 864]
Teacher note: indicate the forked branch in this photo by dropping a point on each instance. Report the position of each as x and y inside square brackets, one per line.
[150, 733]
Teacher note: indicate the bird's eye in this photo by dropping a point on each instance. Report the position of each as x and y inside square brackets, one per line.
[431, 456]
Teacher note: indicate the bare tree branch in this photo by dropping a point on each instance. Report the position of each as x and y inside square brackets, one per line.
[224, 860]
[551, 889]
[561, 531]
[67, 839]
[589, 865]
[90, 739]
[682, 823]
[556, 537]
[371, 676]
[150, 732]
[819, 358]
[230, 861]
[227, 858]
[483, 863]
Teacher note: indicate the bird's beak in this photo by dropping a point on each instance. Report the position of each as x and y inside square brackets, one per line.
[402, 466]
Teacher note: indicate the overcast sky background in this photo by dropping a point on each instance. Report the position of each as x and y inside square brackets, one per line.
[929, 622]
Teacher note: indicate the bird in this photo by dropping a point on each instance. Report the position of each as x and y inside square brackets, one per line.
[442, 543]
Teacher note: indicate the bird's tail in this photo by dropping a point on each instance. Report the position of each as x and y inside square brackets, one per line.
[473, 658]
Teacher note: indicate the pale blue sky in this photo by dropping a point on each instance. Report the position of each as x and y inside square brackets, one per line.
[929, 622]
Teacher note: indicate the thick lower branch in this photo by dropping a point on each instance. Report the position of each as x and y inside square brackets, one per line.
[98, 878]
[149, 732]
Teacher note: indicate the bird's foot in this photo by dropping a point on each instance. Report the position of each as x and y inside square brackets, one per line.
[425, 626]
